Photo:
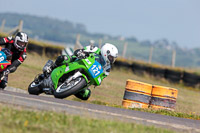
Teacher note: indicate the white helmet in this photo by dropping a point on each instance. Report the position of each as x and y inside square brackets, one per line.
[109, 53]
[21, 40]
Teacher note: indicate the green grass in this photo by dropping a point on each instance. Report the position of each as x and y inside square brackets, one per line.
[18, 120]
[171, 113]
[111, 91]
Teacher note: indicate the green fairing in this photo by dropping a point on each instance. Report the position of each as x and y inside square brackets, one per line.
[98, 51]
[79, 64]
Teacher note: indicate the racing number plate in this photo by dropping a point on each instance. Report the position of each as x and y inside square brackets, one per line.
[96, 69]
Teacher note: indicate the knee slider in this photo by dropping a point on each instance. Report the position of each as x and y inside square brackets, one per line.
[83, 94]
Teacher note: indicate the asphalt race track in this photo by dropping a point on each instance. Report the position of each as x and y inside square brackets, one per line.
[98, 111]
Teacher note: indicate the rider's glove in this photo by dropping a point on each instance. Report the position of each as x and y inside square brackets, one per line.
[48, 69]
[9, 38]
[60, 59]
[49, 66]
[81, 54]
[6, 72]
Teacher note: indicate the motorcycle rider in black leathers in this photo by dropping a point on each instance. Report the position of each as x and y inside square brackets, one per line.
[17, 46]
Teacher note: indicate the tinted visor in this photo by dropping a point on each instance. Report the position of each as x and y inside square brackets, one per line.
[111, 59]
[21, 44]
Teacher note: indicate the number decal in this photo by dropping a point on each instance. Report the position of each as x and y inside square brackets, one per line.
[95, 69]
[1, 58]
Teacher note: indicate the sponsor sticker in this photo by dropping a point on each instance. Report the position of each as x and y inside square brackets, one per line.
[67, 69]
[99, 79]
[99, 67]
[88, 61]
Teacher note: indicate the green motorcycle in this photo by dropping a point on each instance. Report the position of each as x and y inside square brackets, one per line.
[71, 78]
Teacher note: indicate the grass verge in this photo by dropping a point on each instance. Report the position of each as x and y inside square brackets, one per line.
[20, 121]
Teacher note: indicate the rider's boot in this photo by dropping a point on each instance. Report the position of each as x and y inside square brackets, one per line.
[83, 94]
[47, 85]
[4, 82]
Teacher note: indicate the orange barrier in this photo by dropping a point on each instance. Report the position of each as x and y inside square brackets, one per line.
[134, 104]
[163, 97]
[138, 86]
[142, 95]
[137, 94]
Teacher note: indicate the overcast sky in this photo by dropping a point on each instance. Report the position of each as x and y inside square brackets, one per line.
[175, 20]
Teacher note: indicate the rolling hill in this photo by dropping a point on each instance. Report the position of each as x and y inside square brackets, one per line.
[51, 29]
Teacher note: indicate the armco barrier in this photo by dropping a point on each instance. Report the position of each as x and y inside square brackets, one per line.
[142, 95]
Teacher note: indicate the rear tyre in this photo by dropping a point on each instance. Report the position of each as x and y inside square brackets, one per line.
[79, 83]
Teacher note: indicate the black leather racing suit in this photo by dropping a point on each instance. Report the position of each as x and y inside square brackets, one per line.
[17, 58]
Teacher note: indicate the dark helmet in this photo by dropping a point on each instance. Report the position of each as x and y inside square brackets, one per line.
[21, 40]
[8, 53]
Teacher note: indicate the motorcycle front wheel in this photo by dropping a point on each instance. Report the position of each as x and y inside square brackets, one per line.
[33, 87]
[65, 90]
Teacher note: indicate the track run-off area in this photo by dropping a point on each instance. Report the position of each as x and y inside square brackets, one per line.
[97, 111]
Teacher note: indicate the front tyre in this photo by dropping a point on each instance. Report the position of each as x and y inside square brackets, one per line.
[34, 89]
[74, 86]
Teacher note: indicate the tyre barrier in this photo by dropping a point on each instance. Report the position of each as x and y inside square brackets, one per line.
[148, 69]
[142, 95]
[122, 64]
[137, 94]
[163, 97]
[35, 48]
[51, 52]
[138, 68]
[173, 76]
[158, 72]
[190, 79]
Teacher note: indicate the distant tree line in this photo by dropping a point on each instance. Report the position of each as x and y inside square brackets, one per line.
[52, 29]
